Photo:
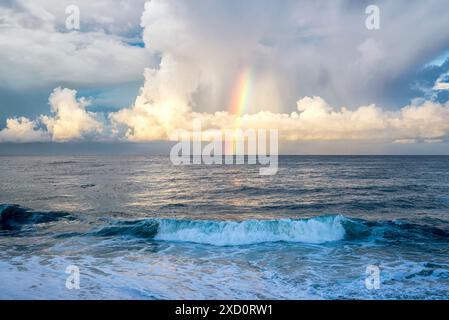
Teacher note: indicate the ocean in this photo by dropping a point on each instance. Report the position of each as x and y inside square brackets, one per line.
[138, 227]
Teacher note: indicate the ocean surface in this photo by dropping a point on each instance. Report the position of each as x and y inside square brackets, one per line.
[138, 227]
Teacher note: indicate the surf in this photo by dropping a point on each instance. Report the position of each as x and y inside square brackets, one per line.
[228, 233]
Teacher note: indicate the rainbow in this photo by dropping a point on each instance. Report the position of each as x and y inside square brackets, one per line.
[241, 93]
[239, 104]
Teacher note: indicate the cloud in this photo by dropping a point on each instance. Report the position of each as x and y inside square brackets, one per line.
[319, 53]
[117, 17]
[203, 51]
[22, 130]
[441, 86]
[36, 45]
[159, 117]
[314, 119]
[442, 82]
[300, 48]
[71, 120]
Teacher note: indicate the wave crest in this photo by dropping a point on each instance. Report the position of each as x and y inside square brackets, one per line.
[221, 233]
[227, 233]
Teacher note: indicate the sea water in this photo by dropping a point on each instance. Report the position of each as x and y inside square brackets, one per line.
[138, 227]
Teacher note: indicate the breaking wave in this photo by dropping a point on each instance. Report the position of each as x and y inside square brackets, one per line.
[223, 233]
[312, 230]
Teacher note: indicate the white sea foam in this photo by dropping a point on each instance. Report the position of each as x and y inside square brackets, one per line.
[222, 233]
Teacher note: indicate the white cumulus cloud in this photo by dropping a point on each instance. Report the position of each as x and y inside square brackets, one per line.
[22, 130]
[71, 120]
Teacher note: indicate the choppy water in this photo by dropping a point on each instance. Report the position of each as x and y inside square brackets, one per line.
[138, 227]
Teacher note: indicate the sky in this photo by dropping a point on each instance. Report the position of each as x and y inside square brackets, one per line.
[137, 71]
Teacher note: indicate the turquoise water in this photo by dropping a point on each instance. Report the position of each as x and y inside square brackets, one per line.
[139, 227]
